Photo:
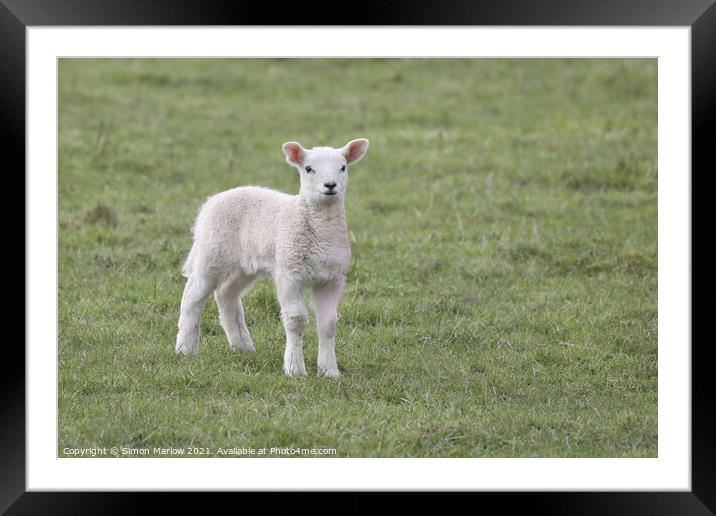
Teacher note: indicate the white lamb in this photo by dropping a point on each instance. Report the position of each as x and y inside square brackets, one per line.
[299, 240]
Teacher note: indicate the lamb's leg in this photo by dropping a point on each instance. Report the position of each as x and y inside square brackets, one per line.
[325, 305]
[231, 313]
[295, 317]
[192, 303]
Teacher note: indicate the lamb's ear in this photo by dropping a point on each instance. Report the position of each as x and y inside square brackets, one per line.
[294, 152]
[354, 150]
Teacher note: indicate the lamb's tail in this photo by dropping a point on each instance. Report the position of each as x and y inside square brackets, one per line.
[188, 264]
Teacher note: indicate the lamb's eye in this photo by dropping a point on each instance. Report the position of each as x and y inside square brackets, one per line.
[343, 168]
[309, 170]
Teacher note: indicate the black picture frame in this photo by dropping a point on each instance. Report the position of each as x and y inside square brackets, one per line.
[700, 15]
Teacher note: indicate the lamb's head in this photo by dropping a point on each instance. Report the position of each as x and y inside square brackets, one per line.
[323, 170]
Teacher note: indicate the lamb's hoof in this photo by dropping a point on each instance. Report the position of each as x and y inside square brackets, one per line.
[247, 347]
[294, 368]
[292, 373]
[187, 343]
[329, 372]
[184, 350]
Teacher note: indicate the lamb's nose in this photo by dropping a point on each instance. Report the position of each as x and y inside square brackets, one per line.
[330, 186]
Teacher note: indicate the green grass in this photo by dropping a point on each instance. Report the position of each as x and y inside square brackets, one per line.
[502, 300]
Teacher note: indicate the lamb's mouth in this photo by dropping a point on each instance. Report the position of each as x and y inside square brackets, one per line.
[332, 192]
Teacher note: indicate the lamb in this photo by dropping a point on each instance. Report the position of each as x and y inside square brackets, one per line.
[301, 241]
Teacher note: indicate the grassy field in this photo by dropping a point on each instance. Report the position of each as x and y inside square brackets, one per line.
[502, 300]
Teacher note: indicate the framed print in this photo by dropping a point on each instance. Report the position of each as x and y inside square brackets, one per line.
[501, 301]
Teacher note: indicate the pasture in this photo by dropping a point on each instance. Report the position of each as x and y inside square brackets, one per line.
[502, 300]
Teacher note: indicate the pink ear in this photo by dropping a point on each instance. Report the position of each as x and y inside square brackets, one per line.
[294, 152]
[355, 150]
